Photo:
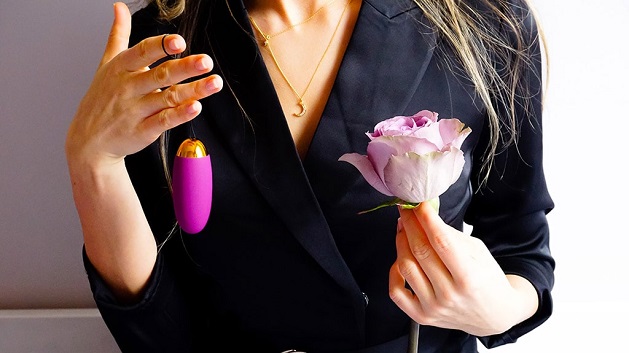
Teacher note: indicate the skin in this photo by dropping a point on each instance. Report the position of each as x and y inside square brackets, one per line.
[455, 281]
[300, 50]
[122, 112]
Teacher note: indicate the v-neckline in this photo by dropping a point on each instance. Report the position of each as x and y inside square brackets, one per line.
[303, 128]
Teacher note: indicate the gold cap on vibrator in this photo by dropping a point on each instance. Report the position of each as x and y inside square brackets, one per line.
[191, 148]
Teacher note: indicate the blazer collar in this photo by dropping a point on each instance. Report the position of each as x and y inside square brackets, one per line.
[260, 138]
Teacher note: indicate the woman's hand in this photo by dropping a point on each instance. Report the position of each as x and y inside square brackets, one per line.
[125, 108]
[456, 283]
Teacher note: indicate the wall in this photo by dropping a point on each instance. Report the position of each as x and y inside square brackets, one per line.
[49, 51]
[585, 161]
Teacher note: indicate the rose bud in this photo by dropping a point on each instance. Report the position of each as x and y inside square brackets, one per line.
[413, 158]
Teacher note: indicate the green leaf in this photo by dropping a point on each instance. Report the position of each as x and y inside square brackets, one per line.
[403, 204]
[394, 202]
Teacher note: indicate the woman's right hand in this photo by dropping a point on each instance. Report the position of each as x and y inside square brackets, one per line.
[125, 109]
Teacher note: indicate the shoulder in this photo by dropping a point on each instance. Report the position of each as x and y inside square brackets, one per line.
[519, 8]
[145, 23]
[511, 22]
[519, 12]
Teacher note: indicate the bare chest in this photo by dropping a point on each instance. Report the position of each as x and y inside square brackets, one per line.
[303, 63]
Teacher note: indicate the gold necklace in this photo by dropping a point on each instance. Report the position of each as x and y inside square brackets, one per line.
[267, 44]
[269, 36]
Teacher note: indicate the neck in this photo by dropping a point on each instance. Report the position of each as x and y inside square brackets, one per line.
[274, 15]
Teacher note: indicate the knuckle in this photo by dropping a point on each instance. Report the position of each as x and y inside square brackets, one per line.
[161, 74]
[447, 301]
[430, 315]
[163, 119]
[143, 50]
[406, 268]
[395, 295]
[170, 97]
[441, 243]
[122, 87]
[425, 319]
[425, 315]
[469, 287]
[421, 251]
[199, 89]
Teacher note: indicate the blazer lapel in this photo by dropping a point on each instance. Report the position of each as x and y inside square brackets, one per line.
[260, 139]
[381, 76]
[384, 62]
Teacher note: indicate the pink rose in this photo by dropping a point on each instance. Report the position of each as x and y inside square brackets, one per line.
[403, 125]
[413, 158]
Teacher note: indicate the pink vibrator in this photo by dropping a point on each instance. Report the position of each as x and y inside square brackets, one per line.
[192, 186]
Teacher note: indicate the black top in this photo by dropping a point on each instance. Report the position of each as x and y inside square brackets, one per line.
[285, 261]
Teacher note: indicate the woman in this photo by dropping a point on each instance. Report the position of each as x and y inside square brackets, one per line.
[285, 262]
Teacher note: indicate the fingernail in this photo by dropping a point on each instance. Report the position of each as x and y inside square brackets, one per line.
[215, 83]
[194, 108]
[176, 44]
[202, 64]
[399, 224]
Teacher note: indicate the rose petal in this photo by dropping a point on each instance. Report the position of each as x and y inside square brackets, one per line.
[403, 125]
[404, 144]
[453, 132]
[458, 141]
[432, 134]
[367, 170]
[378, 154]
[398, 125]
[417, 178]
[423, 117]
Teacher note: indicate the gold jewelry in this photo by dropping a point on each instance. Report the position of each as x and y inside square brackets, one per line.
[267, 44]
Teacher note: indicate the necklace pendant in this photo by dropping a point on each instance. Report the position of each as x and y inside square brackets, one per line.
[266, 43]
[303, 109]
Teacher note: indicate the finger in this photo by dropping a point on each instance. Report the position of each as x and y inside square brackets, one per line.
[402, 296]
[118, 40]
[166, 119]
[149, 50]
[448, 246]
[422, 250]
[172, 72]
[411, 271]
[180, 94]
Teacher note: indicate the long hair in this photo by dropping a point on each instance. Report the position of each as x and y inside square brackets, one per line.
[494, 57]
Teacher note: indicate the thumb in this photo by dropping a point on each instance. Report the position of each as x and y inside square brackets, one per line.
[119, 34]
[427, 211]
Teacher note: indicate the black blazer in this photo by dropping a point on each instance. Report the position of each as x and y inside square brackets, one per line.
[285, 261]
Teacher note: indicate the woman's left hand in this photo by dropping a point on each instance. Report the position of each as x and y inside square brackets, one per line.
[454, 280]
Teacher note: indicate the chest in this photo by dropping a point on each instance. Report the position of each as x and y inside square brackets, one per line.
[303, 62]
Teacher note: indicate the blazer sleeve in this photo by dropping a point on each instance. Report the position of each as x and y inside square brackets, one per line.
[163, 319]
[509, 212]
[158, 322]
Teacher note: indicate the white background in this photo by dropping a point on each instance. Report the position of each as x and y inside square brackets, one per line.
[586, 165]
[49, 50]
